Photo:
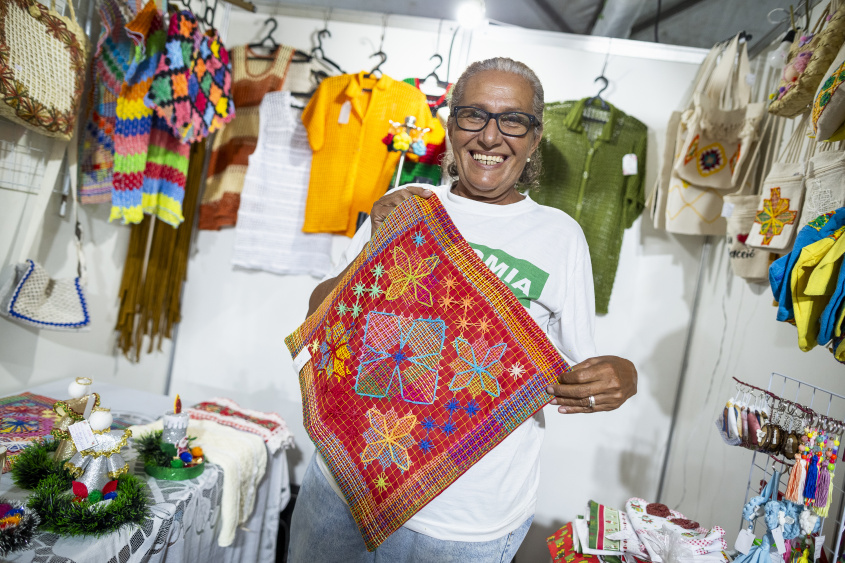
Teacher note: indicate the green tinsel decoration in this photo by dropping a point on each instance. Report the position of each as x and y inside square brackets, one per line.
[61, 514]
[36, 462]
[18, 537]
[152, 451]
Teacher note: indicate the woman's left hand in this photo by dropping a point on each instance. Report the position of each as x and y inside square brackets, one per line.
[610, 380]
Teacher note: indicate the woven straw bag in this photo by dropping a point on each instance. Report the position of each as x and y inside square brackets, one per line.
[42, 67]
[721, 126]
[829, 103]
[809, 59]
[28, 294]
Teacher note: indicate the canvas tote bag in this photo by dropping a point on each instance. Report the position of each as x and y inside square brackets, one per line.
[779, 208]
[829, 103]
[722, 126]
[42, 67]
[824, 183]
[28, 294]
[747, 262]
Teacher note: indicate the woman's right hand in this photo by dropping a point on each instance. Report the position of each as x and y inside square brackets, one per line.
[383, 207]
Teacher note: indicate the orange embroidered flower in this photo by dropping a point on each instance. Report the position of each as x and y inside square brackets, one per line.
[775, 216]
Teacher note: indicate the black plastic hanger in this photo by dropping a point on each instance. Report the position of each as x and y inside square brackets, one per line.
[268, 42]
[319, 49]
[433, 73]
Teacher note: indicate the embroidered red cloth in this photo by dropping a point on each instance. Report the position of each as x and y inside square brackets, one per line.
[418, 363]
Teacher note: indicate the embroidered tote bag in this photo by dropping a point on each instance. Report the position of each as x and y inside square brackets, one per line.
[809, 59]
[781, 196]
[28, 294]
[722, 126]
[418, 364]
[824, 185]
[829, 103]
[42, 67]
[747, 262]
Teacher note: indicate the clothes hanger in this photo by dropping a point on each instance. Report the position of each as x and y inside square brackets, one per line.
[317, 52]
[272, 47]
[433, 74]
[379, 53]
[599, 114]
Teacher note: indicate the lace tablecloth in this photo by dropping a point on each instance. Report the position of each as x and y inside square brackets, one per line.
[186, 516]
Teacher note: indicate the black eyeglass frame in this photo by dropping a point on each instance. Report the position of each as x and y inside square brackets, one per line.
[490, 115]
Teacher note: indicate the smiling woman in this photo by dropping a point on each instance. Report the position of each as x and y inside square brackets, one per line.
[541, 255]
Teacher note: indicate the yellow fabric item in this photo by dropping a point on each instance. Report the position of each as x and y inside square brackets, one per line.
[352, 167]
[808, 307]
[822, 280]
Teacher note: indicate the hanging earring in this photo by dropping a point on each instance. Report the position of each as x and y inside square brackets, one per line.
[753, 426]
[791, 441]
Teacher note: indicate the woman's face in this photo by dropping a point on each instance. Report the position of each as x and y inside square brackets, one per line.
[489, 163]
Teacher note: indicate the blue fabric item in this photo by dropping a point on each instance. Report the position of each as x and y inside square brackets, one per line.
[781, 270]
[322, 529]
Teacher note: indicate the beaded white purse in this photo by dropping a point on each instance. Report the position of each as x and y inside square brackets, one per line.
[28, 294]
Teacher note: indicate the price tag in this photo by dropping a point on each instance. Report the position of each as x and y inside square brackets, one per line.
[744, 541]
[819, 541]
[345, 110]
[777, 533]
[301, 359]
[727, 209]
[81, 434]
[629, 165]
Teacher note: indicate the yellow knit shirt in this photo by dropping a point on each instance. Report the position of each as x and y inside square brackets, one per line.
[352, 167]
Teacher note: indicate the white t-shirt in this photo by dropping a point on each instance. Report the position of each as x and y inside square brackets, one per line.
[542, 255]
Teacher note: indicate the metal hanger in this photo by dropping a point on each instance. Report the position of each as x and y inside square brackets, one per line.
[273, 45]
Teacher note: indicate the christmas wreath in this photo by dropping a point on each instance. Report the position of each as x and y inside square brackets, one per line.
[17, 526]
[36, 462]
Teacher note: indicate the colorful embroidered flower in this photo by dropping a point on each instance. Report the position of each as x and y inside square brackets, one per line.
[400, 357]
[516, 370]
[334, 352]
[381, 482]
[408, 276]
[388, 439]
[18, 426]
[693, 147]
[711, 159]
[774, 216]
[477, 367]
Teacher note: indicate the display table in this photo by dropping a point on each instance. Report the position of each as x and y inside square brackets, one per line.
[186, 517]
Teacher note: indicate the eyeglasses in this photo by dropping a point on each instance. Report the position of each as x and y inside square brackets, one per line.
[510, 123]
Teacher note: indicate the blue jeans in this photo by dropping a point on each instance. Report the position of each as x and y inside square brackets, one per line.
[323, 531]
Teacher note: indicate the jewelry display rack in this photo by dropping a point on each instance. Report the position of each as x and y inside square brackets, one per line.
[763, 465]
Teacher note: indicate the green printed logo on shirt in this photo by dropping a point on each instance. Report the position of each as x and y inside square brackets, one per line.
[524, 278]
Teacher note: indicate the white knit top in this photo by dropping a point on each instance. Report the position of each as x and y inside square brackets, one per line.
[268, 235]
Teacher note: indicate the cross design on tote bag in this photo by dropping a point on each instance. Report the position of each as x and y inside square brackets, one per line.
[774, 216]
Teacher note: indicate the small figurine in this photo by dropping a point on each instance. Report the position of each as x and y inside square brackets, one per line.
[95, 468]
[71, 411]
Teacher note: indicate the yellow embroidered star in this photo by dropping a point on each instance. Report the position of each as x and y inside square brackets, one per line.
[381, 482]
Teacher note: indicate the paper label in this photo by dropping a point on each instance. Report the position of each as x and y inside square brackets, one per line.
[301, 359]
[819, 541]
[89, 406]
[629, 165]
[345, 110]
[750, 78]
[81, 434]
[744, 541]
[777, 533]
[727, 209]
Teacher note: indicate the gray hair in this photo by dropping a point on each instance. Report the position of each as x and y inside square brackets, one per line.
[532, 170]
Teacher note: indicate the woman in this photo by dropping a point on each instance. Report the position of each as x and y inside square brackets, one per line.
[495, 126]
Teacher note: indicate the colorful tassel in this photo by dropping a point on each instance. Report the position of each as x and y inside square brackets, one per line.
[822, 486]
[810, 483]
[822, 510]
[794, 487]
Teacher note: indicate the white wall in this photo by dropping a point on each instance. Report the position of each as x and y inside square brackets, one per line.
[28, 356]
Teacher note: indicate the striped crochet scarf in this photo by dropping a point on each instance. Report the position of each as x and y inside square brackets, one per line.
[417, 365]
